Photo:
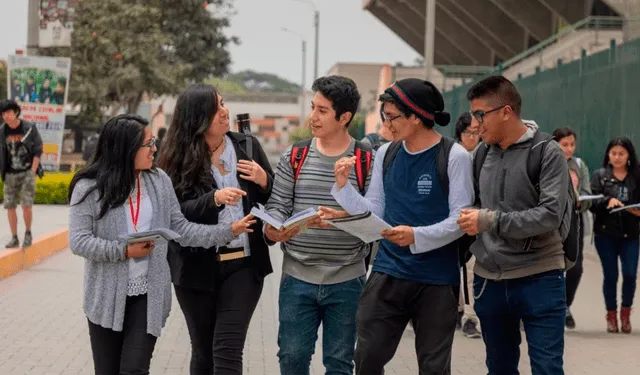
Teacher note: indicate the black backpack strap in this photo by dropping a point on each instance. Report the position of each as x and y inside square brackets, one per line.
[391, 153]
[478, 162]
[363, 154]
[299, 153]
[442, 162]
[534, 160]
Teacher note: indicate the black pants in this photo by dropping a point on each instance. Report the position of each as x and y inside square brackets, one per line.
[128, 352]
[574, 274]
[218, 321]
[386, 306]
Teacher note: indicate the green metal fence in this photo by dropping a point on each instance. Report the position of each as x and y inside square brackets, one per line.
[598, 96]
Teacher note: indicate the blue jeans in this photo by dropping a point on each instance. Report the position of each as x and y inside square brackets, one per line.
[303, 306]
[538, 301]
[609, 249]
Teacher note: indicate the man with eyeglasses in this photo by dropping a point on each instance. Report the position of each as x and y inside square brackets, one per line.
[416, 273]
[519, 256]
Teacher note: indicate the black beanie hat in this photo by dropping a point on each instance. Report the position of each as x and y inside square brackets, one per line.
[422, 98]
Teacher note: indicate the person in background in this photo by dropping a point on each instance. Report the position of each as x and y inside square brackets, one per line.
[616, 234]
[20, 152]
[579, 173]
[127, 288]
[216, 181]
[378, 139]
[469, 138]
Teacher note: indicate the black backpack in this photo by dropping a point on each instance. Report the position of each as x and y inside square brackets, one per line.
[442, 166]
[570, 225]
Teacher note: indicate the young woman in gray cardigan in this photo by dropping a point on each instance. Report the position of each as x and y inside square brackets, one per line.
[127, 291]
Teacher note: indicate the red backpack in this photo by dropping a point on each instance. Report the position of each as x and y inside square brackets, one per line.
[363, 153]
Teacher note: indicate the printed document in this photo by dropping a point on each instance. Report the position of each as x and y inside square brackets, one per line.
[366, 226]
[583, 198]
[162, 234]
[300, 219]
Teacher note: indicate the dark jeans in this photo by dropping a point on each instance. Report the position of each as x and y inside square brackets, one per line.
[218, 320]
[574, 274]
[609, 249]
[128, 352]
[303, 306]
[386, 307]
[539, 302]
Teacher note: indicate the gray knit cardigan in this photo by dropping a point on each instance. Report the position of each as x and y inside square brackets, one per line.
[106, 270]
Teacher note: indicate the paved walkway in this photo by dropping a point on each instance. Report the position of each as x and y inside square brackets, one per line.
[43, 331]
[46, 218]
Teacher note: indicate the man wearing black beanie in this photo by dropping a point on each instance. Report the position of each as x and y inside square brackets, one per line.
[416, 274]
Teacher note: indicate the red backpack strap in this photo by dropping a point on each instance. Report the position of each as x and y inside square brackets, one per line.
[299, 153]
[363, 156]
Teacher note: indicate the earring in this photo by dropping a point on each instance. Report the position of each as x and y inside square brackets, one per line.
[629, 162]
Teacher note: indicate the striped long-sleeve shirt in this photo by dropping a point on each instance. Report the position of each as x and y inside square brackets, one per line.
[317, 255]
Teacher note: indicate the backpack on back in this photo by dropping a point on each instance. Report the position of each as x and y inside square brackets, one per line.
[570, 225]
[442, 168]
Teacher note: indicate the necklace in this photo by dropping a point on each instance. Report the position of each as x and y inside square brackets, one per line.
[135, 215]
[218, 146]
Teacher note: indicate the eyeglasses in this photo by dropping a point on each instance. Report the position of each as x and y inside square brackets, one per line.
[471, 134]
[479, 114]
[152, 143]
[389, 119]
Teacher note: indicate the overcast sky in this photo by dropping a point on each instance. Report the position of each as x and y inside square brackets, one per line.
[347, 34]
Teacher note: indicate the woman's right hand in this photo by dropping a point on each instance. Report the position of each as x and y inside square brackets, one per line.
[613, 203]
[140, 249]
[228, 196]
[242, 226]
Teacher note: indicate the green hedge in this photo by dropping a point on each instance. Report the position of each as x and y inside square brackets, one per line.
[53, 188]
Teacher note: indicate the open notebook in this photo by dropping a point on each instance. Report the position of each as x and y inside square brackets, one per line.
[300, 219]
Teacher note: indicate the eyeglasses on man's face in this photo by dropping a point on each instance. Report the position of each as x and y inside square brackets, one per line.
[389, 118]
[479, 114]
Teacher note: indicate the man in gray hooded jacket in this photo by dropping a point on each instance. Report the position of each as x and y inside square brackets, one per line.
[519, 269]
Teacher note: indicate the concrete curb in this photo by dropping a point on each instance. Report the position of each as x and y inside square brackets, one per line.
[15, 260]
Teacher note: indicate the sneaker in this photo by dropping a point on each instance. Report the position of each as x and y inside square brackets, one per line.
[13, 243]
[27, 240]
[470, 330]
[569, 322]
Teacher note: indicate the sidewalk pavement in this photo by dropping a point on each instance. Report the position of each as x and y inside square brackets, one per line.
[43, 330]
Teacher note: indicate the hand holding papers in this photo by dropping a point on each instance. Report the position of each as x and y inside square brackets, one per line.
[367, 226]
[300, 219]
[151, 235]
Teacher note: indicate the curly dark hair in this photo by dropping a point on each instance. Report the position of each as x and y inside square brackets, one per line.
[185, 155]
[341, 91]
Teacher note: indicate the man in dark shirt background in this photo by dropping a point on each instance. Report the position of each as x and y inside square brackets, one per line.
[20, 151]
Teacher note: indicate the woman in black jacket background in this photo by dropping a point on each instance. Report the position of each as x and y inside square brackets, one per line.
[616, 234]
[216, 181]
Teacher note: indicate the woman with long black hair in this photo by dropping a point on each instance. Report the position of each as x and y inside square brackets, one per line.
[215, 180]
[616, 234]
[127, 292]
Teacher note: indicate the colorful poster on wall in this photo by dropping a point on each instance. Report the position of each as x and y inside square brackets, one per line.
[56, 22]
[40, 85]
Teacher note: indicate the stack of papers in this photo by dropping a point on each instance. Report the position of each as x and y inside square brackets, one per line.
[366, 226]
[300, 219]
[617, 209]
[161, 234]
[583, 198]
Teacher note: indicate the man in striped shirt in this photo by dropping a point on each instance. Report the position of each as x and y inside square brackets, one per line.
[323, 271]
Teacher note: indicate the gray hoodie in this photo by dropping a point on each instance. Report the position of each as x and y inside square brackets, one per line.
[519, 227]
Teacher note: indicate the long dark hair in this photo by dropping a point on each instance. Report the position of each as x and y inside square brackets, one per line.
[632, 168]
[185, 155]
[113, 164]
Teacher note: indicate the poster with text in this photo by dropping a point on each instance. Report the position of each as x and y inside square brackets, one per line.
[56, 22]
[40, 86]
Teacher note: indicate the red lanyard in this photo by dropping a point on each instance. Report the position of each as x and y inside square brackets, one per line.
[135, 215]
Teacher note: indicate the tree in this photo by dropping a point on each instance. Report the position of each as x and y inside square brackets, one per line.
[124, 49]
[3, 81]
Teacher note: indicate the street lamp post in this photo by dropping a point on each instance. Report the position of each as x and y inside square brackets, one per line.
[304, 73]
[316, 25]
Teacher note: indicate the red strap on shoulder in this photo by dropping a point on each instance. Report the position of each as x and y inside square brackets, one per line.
[296, 163]
[359, 175]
